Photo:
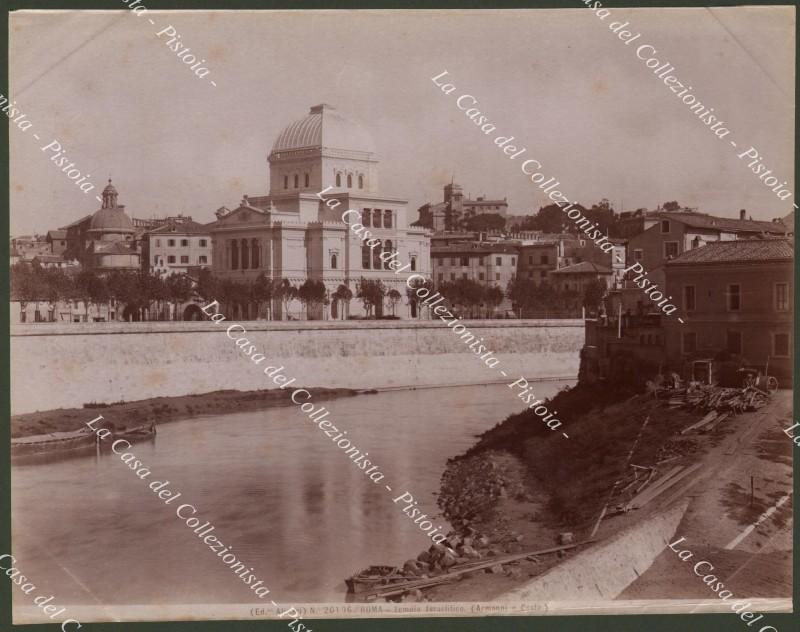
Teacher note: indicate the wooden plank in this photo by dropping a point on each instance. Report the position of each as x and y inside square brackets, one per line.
[660, 482]
[707, 419]
[455, 571]
[673, 481]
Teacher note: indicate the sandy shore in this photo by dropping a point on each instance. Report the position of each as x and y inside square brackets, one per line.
[161, 409]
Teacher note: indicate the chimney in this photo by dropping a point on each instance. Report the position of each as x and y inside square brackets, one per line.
[742, 213]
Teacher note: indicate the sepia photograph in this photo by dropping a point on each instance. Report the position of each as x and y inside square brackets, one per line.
[414, 313]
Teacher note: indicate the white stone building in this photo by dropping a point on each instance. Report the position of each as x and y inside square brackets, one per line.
[290, 233]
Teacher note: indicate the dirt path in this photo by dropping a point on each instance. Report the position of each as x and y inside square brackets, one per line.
[758, 563]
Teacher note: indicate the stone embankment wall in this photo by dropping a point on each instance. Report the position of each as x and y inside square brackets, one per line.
[600, 573]
[59, 365]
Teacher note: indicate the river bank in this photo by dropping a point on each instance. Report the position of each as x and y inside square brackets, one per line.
[523, 488]
[160, 410]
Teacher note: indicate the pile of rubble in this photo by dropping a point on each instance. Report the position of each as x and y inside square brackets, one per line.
[472, 487]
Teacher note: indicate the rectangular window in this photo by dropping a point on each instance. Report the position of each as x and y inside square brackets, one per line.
[481, 276]
[780, 345]
[155, 260]
[184, 258]
[171, 259]
[482, 261]
[441, 261]
[464, 275]
[530, 260]
[497, 276]
[543, 274]
[184, 243]
[464, 261]
[664, 225]
[452, 261]
[781, 297]
[158, 243]
[441, 277]
[689, 298]
[366, 217]
[734, 344]
[530, 274]
[638, 254]
[513, 261]
[498, 261]
[452, 276]
[203, 243]
[202, 259]
[734, 297]
[689, 342]
[670, 249]
[545, 260]
[171, 243]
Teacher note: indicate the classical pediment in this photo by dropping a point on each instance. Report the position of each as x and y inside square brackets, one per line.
[244, 214]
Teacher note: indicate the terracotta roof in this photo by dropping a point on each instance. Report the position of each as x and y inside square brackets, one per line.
[188, 227]
[76, 222]
[728, 224]
[741, 250]
[584, 267]
[472, 247]
[57, 234]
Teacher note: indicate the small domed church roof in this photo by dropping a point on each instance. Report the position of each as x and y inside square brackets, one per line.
[324, 127]
[111, 218]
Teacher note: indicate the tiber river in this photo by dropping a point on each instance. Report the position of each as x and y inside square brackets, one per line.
[288, 501]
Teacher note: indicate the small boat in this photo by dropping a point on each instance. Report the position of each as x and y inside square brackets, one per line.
[139, 433]
[52, 442]
[374, 576]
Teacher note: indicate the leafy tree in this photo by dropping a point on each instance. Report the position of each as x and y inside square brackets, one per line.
[671, 206]
[593, 293]
[208, 286]
[493, 297]
[286, 293]
[92, 289]
[371, 293]
[27, 285]
[263, 291]
[394, 300]
[522, 293]
[344, 295]
[485, 222]
[312, 294]
[411, 293]
[178, 289]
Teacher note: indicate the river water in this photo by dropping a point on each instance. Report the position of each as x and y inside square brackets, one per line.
[280, 493]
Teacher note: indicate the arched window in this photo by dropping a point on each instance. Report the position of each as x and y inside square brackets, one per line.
[285, 182]
[376, 257]
[306, 179]
[376, 218]
[366, 257]
[245, 258]
[296, 181]
[413, 264]
[234, 255]
[349, 181]
[360, 182]
[387, 248]
[387, 219]
[338, 179]
[366, 216]
[334, 261]
[255, 254]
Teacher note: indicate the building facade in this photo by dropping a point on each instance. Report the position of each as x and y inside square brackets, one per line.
[735, 297]
[292, 234]
[178, 245]
[452, 213]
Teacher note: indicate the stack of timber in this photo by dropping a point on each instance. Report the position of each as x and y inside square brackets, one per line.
[716, 398]
[649, 491]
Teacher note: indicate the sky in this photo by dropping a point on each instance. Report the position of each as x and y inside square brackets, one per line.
[123, 106]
